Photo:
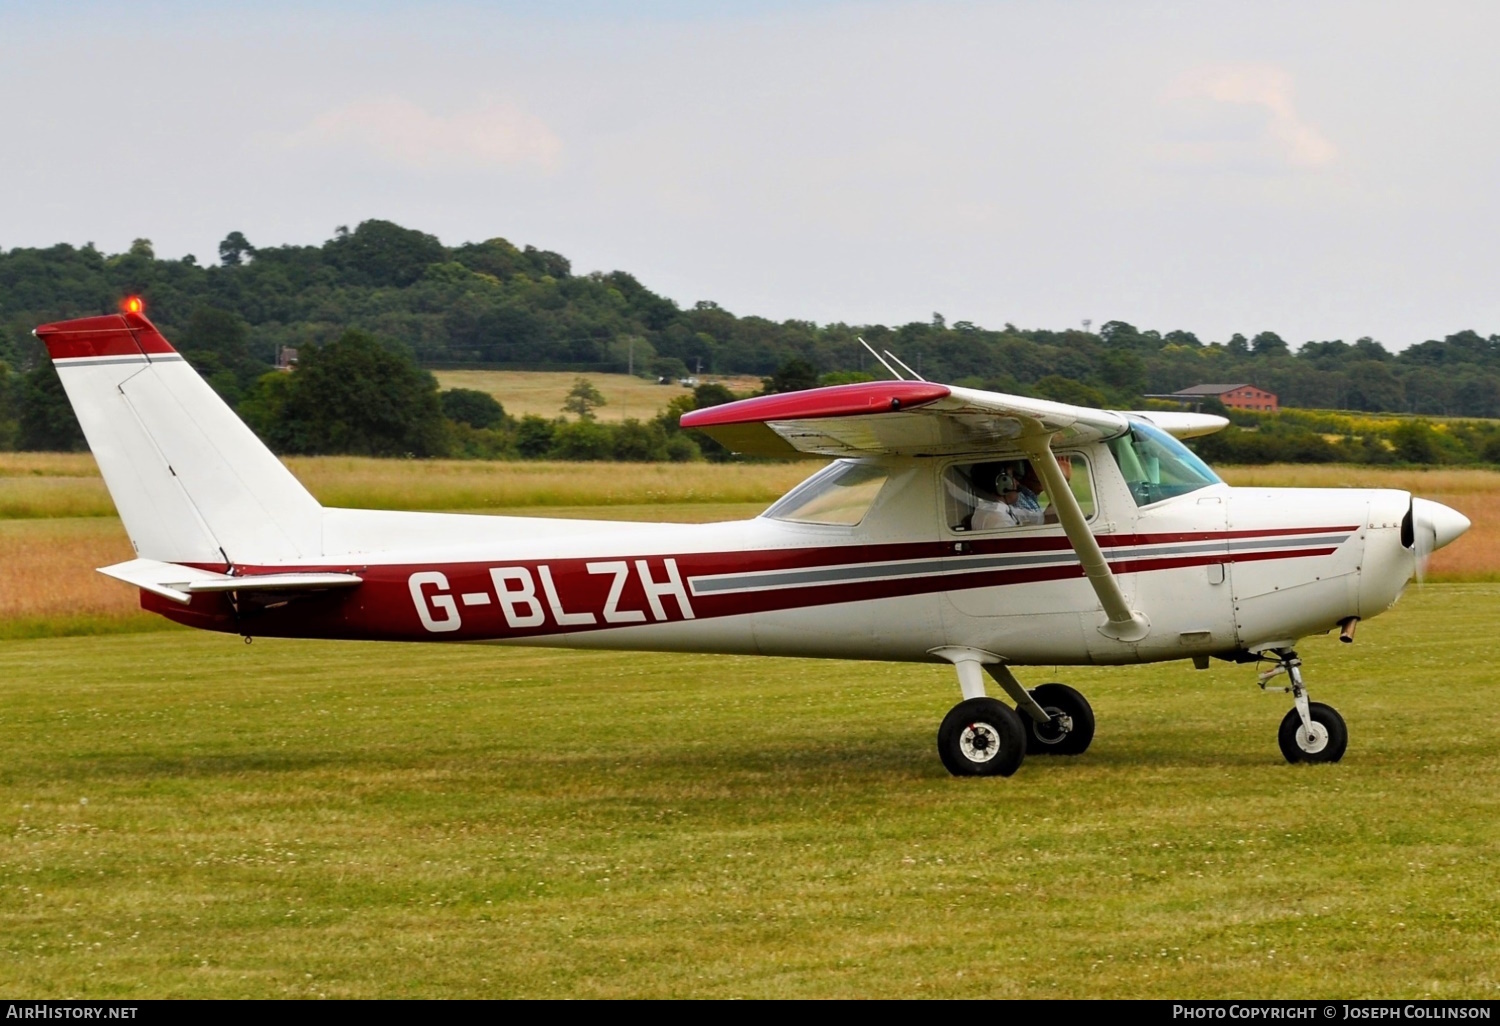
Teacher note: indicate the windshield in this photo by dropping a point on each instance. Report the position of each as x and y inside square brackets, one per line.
[1157, 466]
[841, 493]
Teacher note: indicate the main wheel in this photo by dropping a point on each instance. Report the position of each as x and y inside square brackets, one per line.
[1050, 738]
[1326, 742]
[981, 737]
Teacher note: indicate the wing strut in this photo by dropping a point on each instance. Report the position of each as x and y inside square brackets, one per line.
[1125, 624]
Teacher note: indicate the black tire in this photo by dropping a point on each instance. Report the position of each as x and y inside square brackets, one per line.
[981, 737]
[1328, 749]
[1047, 739]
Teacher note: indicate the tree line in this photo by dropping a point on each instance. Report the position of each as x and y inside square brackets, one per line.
[383, 295]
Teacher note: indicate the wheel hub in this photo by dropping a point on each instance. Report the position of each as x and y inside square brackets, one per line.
[979, 742]
[1314, 741]
[1058, 727]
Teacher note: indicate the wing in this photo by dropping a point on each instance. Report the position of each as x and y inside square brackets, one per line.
[912, 418]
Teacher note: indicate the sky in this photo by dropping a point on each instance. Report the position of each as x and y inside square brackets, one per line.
[1318, 169]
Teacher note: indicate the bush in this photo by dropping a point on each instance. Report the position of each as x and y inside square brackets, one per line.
[472, 407]
[582, 440]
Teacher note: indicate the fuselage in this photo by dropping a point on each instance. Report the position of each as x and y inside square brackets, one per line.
[1217, 570]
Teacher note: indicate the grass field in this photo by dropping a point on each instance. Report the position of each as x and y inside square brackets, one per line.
[190, 816]
[542, 392]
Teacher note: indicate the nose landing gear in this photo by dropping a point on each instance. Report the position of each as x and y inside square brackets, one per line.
[1311, 731]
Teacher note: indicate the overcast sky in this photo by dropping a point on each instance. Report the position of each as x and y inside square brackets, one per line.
[1323, 170]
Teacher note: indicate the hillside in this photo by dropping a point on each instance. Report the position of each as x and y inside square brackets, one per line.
[491, 304]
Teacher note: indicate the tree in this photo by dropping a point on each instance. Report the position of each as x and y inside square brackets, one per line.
[534, 437]
[711, 393]
[472, 407]
[47, 423]
[384, 253]
[235, 249]
[1268, 343]
[792, 376]
[583, 398]
[1414, 442]
[356, 396]
[211, 329]
[640, 443]
[1066, 390]
[584, 439]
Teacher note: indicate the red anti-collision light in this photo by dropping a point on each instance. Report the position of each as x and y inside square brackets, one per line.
[132, 304]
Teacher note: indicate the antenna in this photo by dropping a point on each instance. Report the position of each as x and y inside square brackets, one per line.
[894, 373]
[904, 367]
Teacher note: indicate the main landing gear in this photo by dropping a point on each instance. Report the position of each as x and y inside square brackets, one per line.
[982, 736]
[1311, 731]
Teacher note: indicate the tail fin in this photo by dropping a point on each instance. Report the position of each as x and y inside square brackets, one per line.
[192, 483]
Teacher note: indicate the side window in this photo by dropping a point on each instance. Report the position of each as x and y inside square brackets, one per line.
[1004, 494]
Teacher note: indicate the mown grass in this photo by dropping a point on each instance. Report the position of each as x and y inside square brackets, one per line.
[189, 816]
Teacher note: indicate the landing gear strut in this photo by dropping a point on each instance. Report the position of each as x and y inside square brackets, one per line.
[1311, 731]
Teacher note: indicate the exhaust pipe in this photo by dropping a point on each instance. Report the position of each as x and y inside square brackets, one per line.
[1346, 629]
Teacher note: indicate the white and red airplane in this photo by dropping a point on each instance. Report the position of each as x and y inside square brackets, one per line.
[954, 525]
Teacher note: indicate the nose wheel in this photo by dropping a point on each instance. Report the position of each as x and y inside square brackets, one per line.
[1311, 731]
[1322, 740]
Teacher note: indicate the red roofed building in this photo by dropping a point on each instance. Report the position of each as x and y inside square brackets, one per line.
[1237, 397]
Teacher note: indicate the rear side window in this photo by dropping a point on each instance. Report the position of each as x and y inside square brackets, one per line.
[839, 494]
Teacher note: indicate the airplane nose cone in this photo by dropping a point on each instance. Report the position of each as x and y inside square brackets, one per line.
[1446, 524]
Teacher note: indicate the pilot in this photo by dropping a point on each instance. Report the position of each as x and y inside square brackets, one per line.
[1015, 485]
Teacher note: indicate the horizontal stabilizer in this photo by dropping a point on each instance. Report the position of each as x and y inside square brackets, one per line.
[181, 583]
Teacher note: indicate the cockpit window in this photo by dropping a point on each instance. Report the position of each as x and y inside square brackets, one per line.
[840, 494]
[1157, 466]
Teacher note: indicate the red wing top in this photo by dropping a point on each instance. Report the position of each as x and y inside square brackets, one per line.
[913, 418]
[895, 418]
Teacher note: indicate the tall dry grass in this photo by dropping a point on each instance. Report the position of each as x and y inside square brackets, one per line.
[476, 484]
[47, 571]
[63, 485]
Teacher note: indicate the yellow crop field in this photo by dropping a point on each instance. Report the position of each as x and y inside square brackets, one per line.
[542, 392]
